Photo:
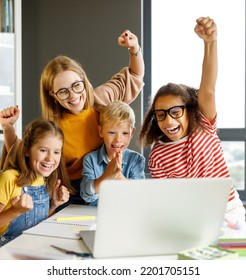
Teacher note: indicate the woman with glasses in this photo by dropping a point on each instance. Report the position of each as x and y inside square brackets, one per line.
[68, 98]
[181, 126]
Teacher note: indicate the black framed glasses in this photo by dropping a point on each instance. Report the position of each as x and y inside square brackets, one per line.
[64, 93]
[175, 112]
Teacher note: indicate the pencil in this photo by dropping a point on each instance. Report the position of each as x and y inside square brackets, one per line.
[75, 218]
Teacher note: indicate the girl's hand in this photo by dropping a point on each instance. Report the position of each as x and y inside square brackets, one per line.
[9, 116]
[206, 29]
[60, 195]
[22, 203]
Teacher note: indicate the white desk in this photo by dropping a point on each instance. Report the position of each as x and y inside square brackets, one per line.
[28, 246]
[37, 246]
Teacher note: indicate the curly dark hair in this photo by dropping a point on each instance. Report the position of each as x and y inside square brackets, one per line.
[150, 131]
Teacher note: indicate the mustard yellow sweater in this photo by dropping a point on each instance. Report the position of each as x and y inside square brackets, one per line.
[81, 130]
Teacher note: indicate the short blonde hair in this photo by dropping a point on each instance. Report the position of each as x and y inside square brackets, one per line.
[119, 112]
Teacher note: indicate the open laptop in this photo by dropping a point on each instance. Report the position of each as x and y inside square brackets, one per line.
[145, 217]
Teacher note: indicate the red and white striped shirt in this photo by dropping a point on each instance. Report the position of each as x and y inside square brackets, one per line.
[198, 155]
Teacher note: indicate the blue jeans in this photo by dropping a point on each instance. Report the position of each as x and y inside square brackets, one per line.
[40, 212]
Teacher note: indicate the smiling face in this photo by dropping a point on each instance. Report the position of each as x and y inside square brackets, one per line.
[76, 101]
[116, 137]
[45, 155]
[174, 129]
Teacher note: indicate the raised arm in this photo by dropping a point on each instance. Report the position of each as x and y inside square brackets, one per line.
[128, 82]
[8, 117]
[136, 64]
[206, 29]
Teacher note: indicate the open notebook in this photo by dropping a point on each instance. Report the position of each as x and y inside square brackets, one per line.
[70, 227]
[157, 216]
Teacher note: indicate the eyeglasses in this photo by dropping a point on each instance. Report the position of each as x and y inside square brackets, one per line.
[175, 112]
[64, 93]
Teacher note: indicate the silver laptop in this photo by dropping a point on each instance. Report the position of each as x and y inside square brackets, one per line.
[146, 217]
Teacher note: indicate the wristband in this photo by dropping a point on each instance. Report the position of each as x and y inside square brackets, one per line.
[137, 53]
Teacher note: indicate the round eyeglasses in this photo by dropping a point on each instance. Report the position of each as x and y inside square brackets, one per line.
[64, 93]
[175, 112]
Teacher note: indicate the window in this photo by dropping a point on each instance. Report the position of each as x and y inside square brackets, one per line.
[7, 74]
[174, 53]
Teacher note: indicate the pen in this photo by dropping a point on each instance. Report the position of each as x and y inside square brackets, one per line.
[69, 252]
[75, 218]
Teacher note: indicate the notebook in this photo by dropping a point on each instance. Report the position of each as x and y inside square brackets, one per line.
[145, 217]
[68, 226]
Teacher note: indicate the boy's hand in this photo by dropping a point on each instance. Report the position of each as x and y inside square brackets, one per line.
[113, 168]
[206, 29]
[118, 158]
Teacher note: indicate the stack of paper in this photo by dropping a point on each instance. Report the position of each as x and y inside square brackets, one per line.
[234, 244]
